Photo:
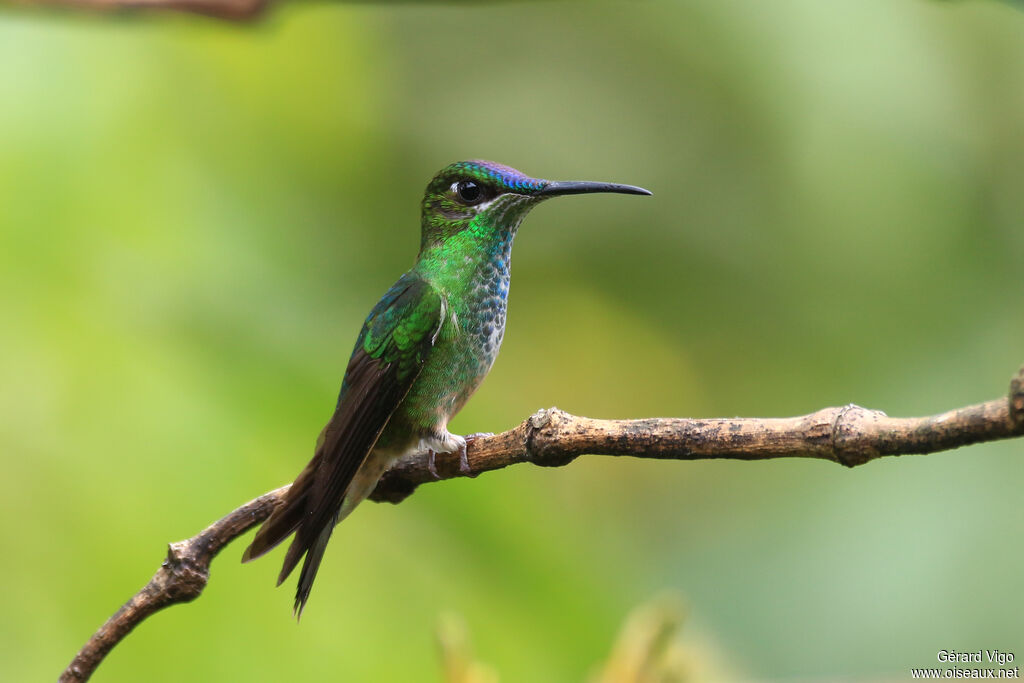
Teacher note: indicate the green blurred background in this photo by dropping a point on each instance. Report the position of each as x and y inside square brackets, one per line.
[195, 217]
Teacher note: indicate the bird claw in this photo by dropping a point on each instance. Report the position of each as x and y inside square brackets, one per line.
[464, 467]
[462, 450]
[431, 464]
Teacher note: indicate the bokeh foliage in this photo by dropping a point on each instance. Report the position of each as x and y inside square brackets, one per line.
[195, 217]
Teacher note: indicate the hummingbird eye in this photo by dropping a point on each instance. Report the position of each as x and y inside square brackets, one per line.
[468, 192]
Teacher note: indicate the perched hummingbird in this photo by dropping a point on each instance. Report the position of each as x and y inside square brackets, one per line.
[424, 349]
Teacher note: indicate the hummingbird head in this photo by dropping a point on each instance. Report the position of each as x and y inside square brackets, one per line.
[492, 199]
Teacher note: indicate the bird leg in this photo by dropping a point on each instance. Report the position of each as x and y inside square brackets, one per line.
[450, 443]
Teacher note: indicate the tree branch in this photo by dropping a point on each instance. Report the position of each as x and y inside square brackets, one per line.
[228, 10]
[848, 435]
[181, 578]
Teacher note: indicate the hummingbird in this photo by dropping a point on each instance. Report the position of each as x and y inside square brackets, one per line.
[422, 352]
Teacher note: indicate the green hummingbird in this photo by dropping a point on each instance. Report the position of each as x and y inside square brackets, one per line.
[424, 349]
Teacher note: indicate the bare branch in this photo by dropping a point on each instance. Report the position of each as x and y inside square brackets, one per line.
[181, 578]
[228, 10]
[848, 435]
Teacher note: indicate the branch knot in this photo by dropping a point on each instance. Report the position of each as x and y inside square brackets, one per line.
[848, 429]
[542, 438]
[184, 577]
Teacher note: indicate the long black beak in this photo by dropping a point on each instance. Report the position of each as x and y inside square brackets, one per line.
[556, 188]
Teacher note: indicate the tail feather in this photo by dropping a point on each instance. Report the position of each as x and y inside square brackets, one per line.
[311, 508]
[275, 530]
[314, 555]
[285, 519]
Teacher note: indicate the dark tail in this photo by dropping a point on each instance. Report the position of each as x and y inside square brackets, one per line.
[286, 518]
[314, 554]
[285, 521]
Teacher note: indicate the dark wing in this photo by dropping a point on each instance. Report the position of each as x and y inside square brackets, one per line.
[388, 356]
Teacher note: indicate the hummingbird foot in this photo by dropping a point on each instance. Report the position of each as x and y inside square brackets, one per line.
[446, 442]
[432, 464]
[464, 467]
